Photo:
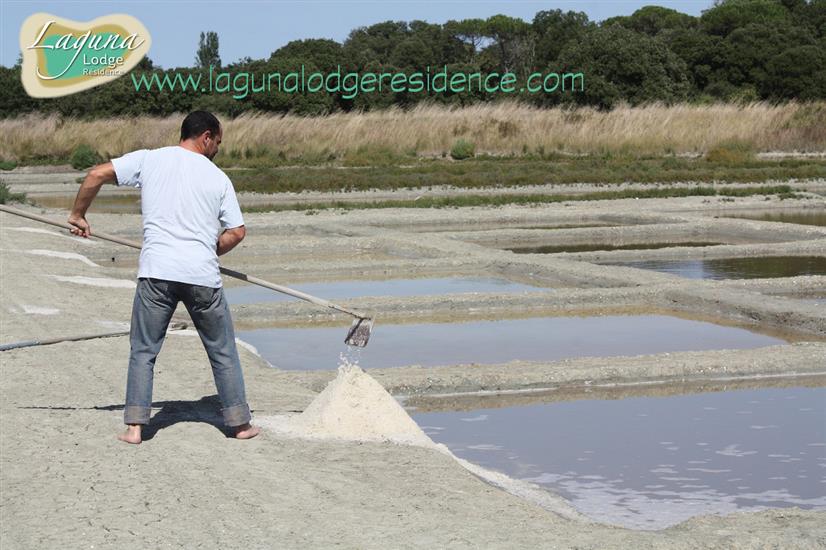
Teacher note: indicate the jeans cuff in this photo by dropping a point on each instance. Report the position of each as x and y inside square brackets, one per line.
[133, 414]
[237, 415]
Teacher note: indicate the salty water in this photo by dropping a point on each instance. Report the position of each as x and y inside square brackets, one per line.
[490, 342]
[651, 462]
[735, 268]
[802, 217]
[555, 249]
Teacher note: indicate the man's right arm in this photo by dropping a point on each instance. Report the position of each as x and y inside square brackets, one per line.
[96, 177]
[125, 170]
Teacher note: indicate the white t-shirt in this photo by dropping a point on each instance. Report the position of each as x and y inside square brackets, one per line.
[186, 202]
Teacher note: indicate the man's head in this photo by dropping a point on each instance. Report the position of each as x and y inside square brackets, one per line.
[203, 133]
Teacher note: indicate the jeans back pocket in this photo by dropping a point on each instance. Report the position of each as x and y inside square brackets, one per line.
[203, 296]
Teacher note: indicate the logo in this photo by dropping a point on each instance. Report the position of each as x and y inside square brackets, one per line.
[62, 57]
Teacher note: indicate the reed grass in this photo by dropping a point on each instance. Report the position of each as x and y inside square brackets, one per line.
[393, 135]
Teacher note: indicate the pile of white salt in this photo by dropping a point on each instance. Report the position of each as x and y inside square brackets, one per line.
[353, 407]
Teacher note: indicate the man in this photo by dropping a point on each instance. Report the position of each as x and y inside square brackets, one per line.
[190, 217]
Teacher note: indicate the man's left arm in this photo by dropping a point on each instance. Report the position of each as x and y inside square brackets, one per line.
[231, 219]
[230, 238]
[96, 177]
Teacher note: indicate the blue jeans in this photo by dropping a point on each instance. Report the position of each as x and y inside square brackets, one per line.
[155, 302]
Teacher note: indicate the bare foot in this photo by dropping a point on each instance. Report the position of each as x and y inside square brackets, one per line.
[247, 431]
[132, 434]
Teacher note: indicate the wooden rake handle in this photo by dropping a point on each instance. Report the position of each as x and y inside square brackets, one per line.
[226, 271]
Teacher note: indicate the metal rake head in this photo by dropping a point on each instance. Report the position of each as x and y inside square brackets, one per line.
[359, 332]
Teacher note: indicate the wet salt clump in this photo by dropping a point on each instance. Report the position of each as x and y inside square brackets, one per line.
[353, 406]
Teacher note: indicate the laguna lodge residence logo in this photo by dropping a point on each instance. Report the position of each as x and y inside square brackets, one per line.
[62, 57]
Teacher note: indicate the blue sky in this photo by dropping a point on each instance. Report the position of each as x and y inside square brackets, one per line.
[256, 28]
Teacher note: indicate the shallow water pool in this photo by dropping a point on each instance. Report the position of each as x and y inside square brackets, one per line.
[652, 462]
[735, 268]
[803, 217]
[490, 342]
[555, 249]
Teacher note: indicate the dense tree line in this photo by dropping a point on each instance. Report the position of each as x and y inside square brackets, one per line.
[737, 50]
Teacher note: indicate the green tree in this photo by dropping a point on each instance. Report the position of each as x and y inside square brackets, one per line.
[468, 96]
[727, 15]
[323, 53]
[812, 15]
[746, 51]
[13, 97]
[554, 29]
[470, 33]
[207, 53]
[146, 64]
[376, 42]
[443, 47]
[284, 96]
[623, 65]
[651, 20]
[701, 52]
[378, 99]
[412, 53]
[511, 40]
[797, 73]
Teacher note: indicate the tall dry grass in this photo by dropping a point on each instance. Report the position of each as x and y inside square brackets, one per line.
[497, 129]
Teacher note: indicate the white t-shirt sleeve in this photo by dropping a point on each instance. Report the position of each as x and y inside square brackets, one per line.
[128, 168]
[230, 215]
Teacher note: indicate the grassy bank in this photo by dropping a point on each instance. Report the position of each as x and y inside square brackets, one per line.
[510, 172]
[783, 191]
[393, 136]
[6, 196]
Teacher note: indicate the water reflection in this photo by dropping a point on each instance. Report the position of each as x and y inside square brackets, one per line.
[735, 268]
[554, 249]
[805, 217]
[491, 342]
[655, 461]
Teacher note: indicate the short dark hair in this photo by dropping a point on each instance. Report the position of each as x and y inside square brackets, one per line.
[198, 122]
